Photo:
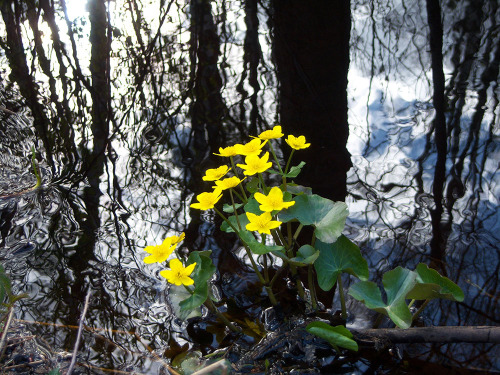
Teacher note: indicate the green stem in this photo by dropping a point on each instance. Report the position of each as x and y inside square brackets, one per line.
[234, 208]
[420, 309]
[264, 261]
[35, 168]
[248, 251]
[245, 200]
[275, 157]
[289, 234]
[271, 295]
[264, 187]
[312, 289]
[238, 195]
[297, 232]
[342, 297]
[289, 160]
[211, 306]
[188, 289]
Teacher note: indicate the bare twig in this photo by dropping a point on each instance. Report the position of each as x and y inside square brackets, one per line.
[79, 334]
[220, 365]
[5, 329]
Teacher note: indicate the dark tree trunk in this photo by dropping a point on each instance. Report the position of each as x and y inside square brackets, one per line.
[438, 241]
[311, 51]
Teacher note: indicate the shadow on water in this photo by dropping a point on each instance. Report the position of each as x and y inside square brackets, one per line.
[126, 104]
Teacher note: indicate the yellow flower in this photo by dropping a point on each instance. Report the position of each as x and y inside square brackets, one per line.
[261, 223]
[160, 253]
[297, 143]
[215, 174]
[176, 239]
[272, 134]
[254, 147]
[273, 201]
[207, 201]
[178, 274]
[228, 151]
[227, 183]
[254, 164]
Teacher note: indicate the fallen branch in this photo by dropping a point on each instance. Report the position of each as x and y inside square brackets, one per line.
[444, 335]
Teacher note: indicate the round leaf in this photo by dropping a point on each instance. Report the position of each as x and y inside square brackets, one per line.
[327, 216]
[334, 258]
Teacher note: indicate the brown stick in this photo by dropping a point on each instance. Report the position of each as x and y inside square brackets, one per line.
[448, 334]
[79, 334]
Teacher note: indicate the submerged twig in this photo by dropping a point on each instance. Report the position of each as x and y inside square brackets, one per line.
[79, 334]
[5, 329]
[220, 365]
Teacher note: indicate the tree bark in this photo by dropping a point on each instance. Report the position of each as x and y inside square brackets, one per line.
[443, 335]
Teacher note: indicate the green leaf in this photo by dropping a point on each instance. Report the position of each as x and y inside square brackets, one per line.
[306, 255]
[228, 208]
[272, 171]
[225, 227]
[297, 189]
[253, 185]
[336, 336]
[397, 283]
[255, 246]
[327, 216]
[202, 273]
[294, 171]
[430, 284]
[334, 258]
[252, 206]
[5, 285]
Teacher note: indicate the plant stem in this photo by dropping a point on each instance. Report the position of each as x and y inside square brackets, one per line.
[288, 162]
[342, 297]
[312, 289]
[297, 232]
[420, 309]
[264, 261]
[211, 306]
[245, 200]
[249, 253]
[234, 208]
[275, 157]
[271, 295]
[35, 168]
[264, 187]
[289, 234]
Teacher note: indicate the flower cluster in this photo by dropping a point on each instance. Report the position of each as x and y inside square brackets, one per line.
[256, 163]
[177, 274]
[226, 178]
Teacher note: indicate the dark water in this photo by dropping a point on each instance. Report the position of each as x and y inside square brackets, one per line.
[99, 206]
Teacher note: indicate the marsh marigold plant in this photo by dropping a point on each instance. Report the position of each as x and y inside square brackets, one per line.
[264, 202]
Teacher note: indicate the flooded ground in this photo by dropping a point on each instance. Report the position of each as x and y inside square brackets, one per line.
[101, 203]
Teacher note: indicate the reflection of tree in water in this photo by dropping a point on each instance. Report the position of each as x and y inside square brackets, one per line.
[395, 180]
[139, 122]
